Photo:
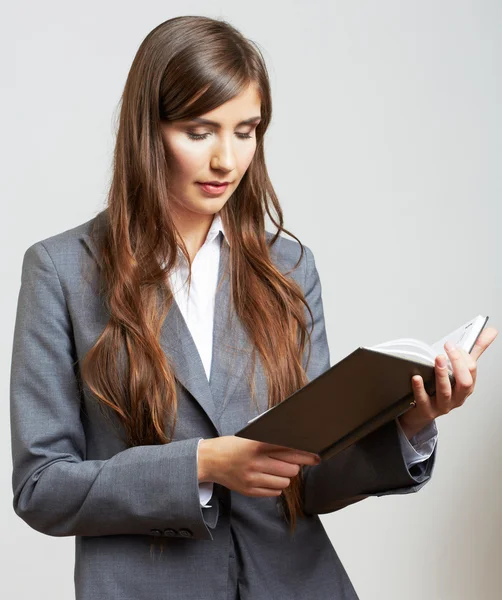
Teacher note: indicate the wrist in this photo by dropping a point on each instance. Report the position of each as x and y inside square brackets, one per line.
[204, 461]
[411, 429]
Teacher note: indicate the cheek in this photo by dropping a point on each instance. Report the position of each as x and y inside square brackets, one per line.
[187, 160]
[246, 158]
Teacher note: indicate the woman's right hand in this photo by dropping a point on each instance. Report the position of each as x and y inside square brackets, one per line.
[249, 467]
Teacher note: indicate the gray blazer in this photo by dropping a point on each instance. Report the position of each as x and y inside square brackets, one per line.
[74, 476]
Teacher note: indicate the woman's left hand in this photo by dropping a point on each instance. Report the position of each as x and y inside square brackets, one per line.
[464, 369]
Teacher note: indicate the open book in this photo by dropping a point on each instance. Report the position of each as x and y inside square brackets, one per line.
[368, 388]
[464, 337]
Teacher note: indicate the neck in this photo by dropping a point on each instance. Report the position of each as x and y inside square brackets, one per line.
[193, 228]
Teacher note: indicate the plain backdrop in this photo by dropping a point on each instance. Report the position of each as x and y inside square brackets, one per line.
[385, 150]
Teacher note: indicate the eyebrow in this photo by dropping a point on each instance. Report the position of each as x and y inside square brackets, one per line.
[203, 121]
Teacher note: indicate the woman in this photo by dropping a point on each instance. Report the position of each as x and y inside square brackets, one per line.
[126, 393]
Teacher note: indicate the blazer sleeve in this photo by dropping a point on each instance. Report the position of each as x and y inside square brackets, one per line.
[143, 490]
[374, 466]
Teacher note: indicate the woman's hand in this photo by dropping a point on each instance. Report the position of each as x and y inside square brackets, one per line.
[465, 371]
[249, 467]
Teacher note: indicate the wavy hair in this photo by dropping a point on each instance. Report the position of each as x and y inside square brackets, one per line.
[185, 67]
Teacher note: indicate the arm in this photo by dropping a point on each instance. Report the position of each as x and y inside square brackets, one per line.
[139, 490]
[374, 466]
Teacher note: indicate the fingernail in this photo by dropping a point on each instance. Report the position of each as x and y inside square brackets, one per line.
[441, 360]
[450, 346]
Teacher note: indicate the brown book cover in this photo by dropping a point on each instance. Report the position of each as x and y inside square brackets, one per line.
[354, 397]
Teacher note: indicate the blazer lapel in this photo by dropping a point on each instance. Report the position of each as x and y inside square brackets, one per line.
[181, 351]
[231, 349]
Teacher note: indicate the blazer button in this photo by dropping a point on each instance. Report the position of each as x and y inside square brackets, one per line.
[156, 532]
[186, 533]
[170, 532]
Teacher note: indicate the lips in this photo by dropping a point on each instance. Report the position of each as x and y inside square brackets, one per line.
[214, 189]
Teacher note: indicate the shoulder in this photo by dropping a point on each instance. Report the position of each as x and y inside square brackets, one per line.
[290, 255]
[69, 248]
[70, 239]
[67, 254]
[71, 244]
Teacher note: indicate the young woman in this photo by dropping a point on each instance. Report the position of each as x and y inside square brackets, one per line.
[147, 336]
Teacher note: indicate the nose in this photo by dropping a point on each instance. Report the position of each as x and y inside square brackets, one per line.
[223, 157]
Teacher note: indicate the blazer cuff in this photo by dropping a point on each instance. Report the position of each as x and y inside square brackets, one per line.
[373, 466]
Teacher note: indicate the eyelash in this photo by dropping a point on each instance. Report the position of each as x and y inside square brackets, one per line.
[203, 136]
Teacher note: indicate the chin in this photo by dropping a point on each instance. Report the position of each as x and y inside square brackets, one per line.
[210, 207]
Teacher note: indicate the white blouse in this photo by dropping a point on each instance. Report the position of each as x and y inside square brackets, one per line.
[197, 309]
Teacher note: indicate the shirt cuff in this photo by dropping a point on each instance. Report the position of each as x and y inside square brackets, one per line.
[420, 446]
[205, 487]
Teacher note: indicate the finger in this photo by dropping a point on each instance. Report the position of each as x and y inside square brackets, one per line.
[296, 457]
[472, 365]
[422, 399]
[485, 338]
[463, 378]
[274, 466]
[263, 492]
[273, 482]
[270, 449]
[444, 392]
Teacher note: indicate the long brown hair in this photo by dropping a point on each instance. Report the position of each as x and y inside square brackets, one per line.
[186, 67]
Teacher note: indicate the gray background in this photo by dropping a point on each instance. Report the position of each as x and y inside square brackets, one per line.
[385, 150]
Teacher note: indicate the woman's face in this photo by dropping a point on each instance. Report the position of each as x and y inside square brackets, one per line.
[200, 152]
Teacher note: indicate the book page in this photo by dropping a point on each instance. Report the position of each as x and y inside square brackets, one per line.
[410, 348]
[409, 352]
[464, 337]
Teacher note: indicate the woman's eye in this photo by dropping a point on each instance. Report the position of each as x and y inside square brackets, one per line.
[203, 136]
[197, 136]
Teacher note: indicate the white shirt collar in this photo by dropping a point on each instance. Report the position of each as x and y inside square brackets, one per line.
[214, 230]
[216, 227]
